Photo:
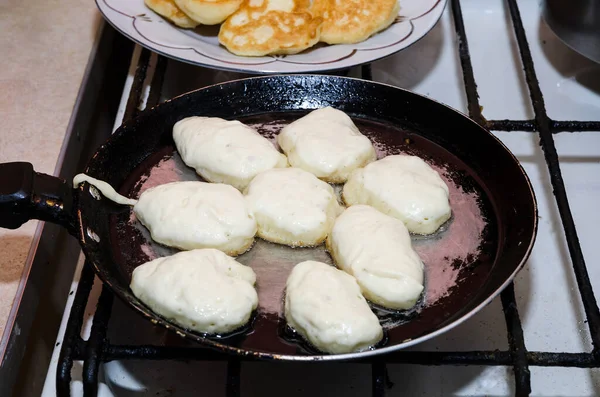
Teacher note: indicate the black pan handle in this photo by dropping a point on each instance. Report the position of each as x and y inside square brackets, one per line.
[26, 194]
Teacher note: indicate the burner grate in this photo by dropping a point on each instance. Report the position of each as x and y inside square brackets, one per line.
[97, 349]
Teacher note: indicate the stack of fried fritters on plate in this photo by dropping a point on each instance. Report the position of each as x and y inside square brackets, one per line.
[272, 27]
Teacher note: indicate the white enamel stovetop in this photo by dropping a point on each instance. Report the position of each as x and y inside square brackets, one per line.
[548, 301]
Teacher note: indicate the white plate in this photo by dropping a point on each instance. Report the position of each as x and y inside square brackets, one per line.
[201, 46]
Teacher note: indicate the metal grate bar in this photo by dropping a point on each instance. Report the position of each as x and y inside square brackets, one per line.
[544, 126]
[572, 360]
[575, 126]
[234, 369]
[510, 125]
[366, 73]
[157, 82]
[494, 358]
[72, 341]
[96, 342]
[529, 125]
[379, 377]
[465, 61]
[135, 94]
[516, 342]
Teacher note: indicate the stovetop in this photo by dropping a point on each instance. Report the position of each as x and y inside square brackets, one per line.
[510, 347]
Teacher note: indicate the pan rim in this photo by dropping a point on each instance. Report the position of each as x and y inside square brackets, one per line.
[225, 348]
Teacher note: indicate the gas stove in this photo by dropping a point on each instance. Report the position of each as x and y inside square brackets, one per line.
[496, 61]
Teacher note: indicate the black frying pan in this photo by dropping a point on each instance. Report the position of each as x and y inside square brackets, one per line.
[478, 166]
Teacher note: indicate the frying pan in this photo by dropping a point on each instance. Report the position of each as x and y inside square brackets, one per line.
[499, 223]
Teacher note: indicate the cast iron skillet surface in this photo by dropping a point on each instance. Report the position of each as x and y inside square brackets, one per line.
[398, 120]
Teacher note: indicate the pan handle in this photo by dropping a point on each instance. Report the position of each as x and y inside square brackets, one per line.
[26, 194]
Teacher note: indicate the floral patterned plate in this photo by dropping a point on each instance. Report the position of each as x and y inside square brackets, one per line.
[201, 46]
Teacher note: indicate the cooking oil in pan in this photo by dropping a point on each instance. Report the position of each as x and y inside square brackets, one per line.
[447, 254]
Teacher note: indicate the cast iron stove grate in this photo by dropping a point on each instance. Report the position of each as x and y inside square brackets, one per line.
[97, 348]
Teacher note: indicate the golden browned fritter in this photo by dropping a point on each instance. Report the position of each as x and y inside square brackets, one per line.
[353, 21]
[209, 12]
[263, 27]
[169, 10]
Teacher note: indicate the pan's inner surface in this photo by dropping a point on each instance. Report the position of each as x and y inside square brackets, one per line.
[458, 260]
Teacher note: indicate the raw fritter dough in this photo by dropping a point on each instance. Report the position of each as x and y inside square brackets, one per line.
[208, 12]
[106, 190]
[292, 206]
[263, 27]
[404, 187]
[376, 249]
[225, 151]
[327, 144]
[353, 21]
[168, 9]
[202, 290]
[325, 306]
[190, 215]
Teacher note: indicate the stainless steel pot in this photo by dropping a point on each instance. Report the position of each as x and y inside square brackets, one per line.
[576, 23]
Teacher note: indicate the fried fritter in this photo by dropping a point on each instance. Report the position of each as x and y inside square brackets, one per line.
[169, 10]
[209, 12]
[263, 27]
[353, 21]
